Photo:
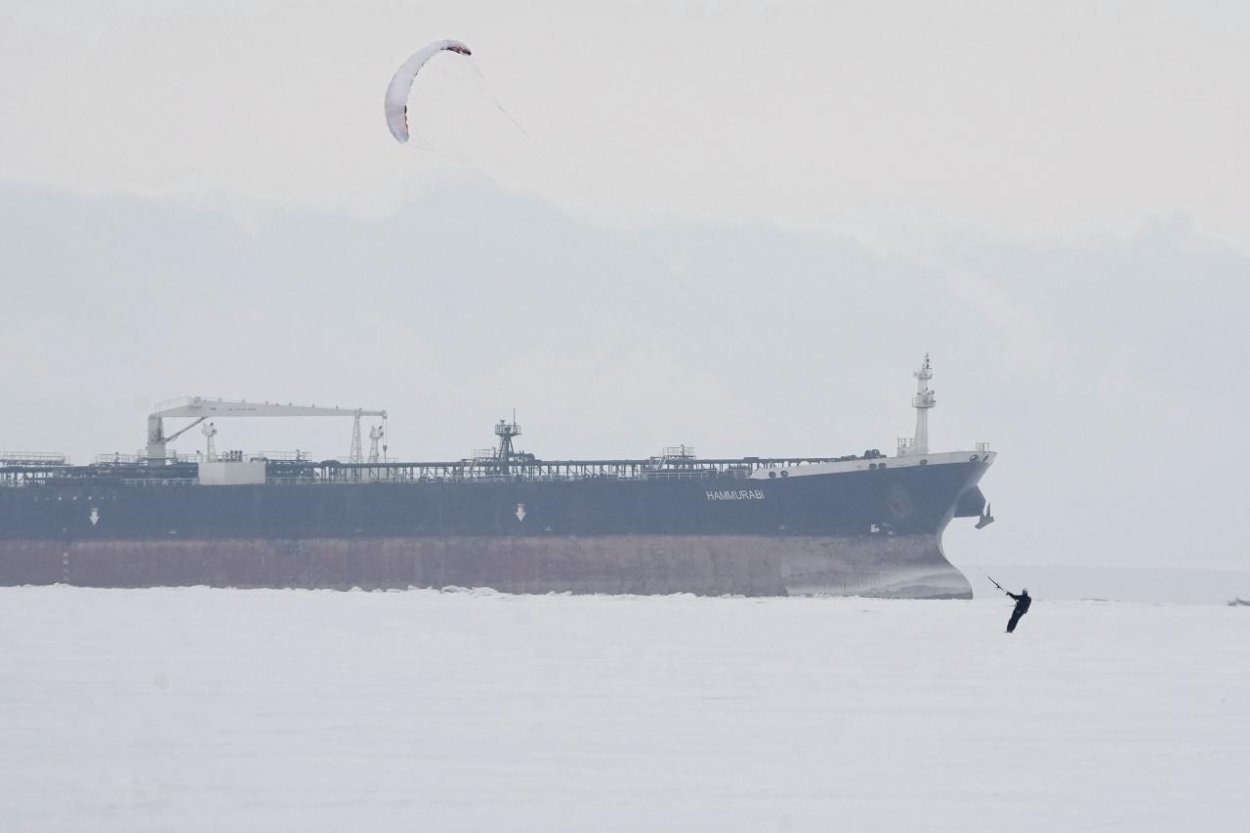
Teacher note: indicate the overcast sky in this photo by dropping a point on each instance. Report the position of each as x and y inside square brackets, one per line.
[1030, 120]
[733, 225]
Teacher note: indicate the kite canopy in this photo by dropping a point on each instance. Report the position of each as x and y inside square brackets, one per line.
[401, 83]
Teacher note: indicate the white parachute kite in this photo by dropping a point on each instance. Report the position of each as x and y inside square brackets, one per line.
[401, 84]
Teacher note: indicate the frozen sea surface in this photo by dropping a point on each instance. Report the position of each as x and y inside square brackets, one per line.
[214, 710]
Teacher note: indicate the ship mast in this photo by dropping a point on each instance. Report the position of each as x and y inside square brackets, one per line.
[376, 434]
[210, 442]
[922, 402]
[505, 431]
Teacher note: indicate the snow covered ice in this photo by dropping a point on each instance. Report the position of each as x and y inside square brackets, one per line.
[209, 710]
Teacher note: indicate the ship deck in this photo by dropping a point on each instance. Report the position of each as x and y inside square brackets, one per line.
[483, 470]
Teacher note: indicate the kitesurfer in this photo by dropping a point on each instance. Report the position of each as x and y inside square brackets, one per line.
[1022, 607]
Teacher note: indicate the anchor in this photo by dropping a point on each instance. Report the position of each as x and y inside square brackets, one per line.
[986, 518]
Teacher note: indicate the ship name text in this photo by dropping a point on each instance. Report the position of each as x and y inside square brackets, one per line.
[736, 494]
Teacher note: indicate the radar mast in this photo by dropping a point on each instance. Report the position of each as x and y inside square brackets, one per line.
[922, 402]
[505, 431]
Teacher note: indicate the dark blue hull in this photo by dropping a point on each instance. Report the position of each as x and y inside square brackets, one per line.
[868, 532]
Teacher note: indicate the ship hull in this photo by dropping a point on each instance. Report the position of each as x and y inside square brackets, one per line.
[862, 531]
[910, 566]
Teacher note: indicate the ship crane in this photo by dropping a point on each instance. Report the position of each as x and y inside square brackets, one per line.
[200, 409]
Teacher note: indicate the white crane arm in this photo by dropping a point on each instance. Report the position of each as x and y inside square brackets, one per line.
[199, 409]
[198, 406]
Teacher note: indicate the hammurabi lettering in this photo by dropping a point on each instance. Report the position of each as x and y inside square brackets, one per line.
[739, 494]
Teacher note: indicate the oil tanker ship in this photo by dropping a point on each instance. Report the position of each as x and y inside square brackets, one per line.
[864, 524]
